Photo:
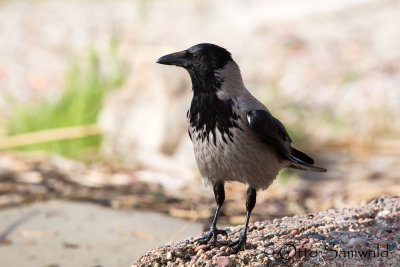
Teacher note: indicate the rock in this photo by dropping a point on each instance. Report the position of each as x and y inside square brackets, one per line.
[294, 232]
[308, 249]
[223, 261]
[383, 213]
[356, 241]
[260, 256]
[200, 252]
[381, 243]
[292, 253]
[178, 253]
[169, 255]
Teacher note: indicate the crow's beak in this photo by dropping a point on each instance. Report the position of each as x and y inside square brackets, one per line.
[177, 59]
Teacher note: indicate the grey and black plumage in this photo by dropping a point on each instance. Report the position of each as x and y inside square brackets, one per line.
[235, 137]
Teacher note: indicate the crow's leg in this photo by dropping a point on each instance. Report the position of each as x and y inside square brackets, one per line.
[219, 193]
[250, 203]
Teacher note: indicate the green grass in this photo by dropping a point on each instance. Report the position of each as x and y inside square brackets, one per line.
[86, 86]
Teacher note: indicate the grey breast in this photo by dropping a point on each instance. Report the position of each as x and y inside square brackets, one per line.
[245, 158]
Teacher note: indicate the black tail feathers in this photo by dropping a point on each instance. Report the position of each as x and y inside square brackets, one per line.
[303, 162]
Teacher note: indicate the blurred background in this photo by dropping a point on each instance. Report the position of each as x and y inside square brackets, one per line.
[95, 160]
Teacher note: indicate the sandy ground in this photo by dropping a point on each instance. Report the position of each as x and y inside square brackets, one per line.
[61, 234]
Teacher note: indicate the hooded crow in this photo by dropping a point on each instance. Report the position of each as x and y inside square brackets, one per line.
[235, 137]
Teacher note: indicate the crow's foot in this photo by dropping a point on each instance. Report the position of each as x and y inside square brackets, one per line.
[241, 242]
[213, 233]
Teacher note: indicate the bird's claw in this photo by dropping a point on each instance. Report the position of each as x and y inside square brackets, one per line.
[241, 242]
[213, 233]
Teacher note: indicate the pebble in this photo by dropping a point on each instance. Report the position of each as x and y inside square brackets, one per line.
[276, 221]
[304, 241]
[260, 238]
[274, 239]
[169, 256]
[195, 258]
[383, 213]
[223, 261]
[381, 243]
[233, 256]
[260, 256]
[199, 252]
[292, 253]
[203, 247]
[236, 229]
[178, 253]
[222, 253]
[294, 232]
[320, 237]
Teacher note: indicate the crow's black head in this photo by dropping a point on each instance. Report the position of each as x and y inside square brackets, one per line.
[201, 57]
[201, 61]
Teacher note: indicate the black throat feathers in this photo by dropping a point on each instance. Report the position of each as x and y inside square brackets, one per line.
[208, 113]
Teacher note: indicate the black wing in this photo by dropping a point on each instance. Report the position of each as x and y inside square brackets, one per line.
[301, 155]
[271, 130]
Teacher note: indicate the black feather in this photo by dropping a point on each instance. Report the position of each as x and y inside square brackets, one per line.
[299, 164]
[270, 130]
[301, 155]
[190, 135]
[208, 113]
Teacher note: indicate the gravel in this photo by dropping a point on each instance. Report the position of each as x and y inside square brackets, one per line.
[362, 236]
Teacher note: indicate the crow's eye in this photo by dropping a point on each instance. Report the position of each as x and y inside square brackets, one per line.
[196, 56]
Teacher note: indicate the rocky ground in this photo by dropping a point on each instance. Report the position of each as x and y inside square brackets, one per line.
[363, 236]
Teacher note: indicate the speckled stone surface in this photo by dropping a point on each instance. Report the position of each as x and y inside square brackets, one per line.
[364, 236]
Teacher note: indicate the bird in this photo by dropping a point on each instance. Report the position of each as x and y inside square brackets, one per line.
[235, 137]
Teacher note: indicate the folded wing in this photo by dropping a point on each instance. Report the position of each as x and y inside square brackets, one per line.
[273, 132]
